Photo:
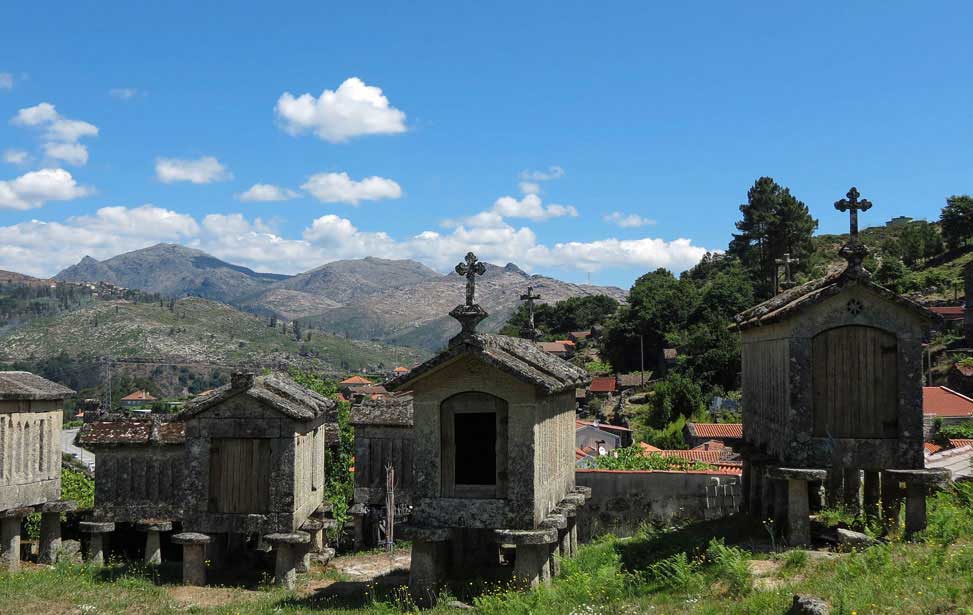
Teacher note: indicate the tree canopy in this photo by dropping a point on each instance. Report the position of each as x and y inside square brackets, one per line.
[573, 314]
[957, 221]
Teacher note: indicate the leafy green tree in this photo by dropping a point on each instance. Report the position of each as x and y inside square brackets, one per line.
[774, 223]
[676, 395]
[919, 241]
[892, 274]
[956, 221]
[572, 314]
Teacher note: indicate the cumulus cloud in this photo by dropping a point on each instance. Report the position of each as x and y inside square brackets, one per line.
[203, 170]
[531, 207]
[34, 189]
[552, 172]
[627, 220]
[60, 134]
[340, 188]
[15, 156]
[353, 110]
[267, 192]
[44, 248]
[529, 188]
[124, 93]
[6, 81]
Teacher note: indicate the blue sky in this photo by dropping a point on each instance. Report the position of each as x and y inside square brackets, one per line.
[664, 114]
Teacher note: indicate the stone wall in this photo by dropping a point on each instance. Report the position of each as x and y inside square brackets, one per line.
[139, 482]
[622, 500]
[30, 453]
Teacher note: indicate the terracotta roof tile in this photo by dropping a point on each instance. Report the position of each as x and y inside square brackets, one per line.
[605, 426]
[932, 447]
[716, 431]
[356, 380]
[140, 395]
[604, 384]
[941, 401]
[958, 442]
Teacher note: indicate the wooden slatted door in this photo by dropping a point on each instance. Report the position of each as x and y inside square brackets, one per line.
[855, 383]
[239, 475]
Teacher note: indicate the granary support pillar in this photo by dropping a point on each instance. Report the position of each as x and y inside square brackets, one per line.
[10, 536]
[98, 532]
[918, 484]
[314, 529]
[891, 500]
[289, 548]
[570, 514]
[871, 494]
[557, 522]
[430, 561]
[851, 497]
[193, 557]
[533, 556]
[577, 497]
[798, 518]
[835, 486]
[51, 529]
[153, 528]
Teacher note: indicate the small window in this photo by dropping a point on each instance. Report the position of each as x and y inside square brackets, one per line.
[476, 448]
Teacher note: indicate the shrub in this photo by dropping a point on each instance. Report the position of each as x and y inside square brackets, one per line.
[731, 566]
[676, 572]
[634, 458]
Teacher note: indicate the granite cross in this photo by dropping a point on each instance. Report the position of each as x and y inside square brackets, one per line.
[470, 267]
[786, 262]
[853, 205]
[529, 298]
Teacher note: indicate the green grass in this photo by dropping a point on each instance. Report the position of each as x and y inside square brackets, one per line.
[670, 570]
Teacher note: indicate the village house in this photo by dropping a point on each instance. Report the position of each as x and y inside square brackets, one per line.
[31, 411]
[494, 456]
[730, 434]
[137, 399]
[558, 349]
[579, 336]
[832, 392]
[586, 432]
[350, 385]
[942, 405]
[603, 386]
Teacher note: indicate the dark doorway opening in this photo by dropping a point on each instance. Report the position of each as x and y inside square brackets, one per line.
[476, 448]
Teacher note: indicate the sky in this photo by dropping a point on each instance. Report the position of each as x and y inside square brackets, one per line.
[585, 140]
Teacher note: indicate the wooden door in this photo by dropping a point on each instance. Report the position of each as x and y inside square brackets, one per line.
[474, 444]
[239, 475]
[855, 380]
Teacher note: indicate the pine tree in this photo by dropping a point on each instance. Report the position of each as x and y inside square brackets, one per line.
[956, 220]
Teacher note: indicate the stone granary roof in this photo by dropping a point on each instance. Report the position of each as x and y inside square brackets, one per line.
[392, 410]
[30, 387]
[789, 302]
[522, 359]
[124, 431]
[276, 390]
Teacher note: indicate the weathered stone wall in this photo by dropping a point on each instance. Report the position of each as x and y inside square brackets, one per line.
[30, 453]
[553, 452]
[375, 447]
[139, 482]
[621, 501]
[466, 374]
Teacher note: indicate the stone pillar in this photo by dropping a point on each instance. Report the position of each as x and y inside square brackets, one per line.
[570, 513]
[745, 484]
[302, 558]
[798, 520]
[10, 536]
[767, 496]
[98, 532]
[558, 522]
[153, 528]
[891, 501]
[835, 486]
[756, 497]
[430, 561]
[51, 529]
[314, 529]
[815, 494]
[576, 498]
[872, 491]
[193, 557]
[918, 483]
[290, 548]
[781, 495]
[851, 496]
[533, 556]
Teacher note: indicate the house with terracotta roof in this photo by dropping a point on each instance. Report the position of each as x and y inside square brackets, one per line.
[598, 435]
[398, 371]
[728, 433]
[138, 398]
[603, 386]
[579, 336]
[349, 386]
[960, 378]
[958, 442]
[942, 405]
[558, 349]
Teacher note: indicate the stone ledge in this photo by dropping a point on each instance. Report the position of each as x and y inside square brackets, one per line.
[312, 525]
[568, 510]
[544, 536]
[291, 538]
[23, 511]
[191, 538]
[154, 525]
[96, 527]
[574, 498]
[555, 521]
[585, 491]
[61, 506]
[808, 474]
[932, 476]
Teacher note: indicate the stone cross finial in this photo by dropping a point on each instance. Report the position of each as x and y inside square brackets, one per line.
[854, 205]
[470, 267]
[854, 251]
[786, 263]
[529, 331]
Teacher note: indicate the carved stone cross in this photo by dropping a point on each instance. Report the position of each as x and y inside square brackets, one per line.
[853, 205]
[529, 297]
[786, 263]
[470, 267]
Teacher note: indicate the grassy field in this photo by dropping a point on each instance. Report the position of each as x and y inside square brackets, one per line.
[675, 570]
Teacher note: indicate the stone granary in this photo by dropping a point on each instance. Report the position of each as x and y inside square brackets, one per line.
[246, 462]
[832, 389]
[494, 455]
[384, 437]
[31, 410]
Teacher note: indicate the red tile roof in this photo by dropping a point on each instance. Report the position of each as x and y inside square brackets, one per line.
[958, 442]
[648, 448]
[932, 447]
[555, 347]
[605, 384]
[716, 431]
[710, 445]
[401, 370]
[578, 423]
[949, 312]
[356, 380]
[966, 370]
[581, 453]
[941, 401]
[139, 396]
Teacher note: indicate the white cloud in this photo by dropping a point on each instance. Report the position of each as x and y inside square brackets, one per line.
[15, 156]
[124, 93]
[267, 192]
[340, 188]
[203, 170]
[552, 172]
[353, 110]
[61, 134]
[531, 207]
[627, 220]
[530, 188]
[33, 189]
[71, 153]
[6, 81]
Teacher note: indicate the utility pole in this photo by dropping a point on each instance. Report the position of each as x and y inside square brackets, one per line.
[642, 358]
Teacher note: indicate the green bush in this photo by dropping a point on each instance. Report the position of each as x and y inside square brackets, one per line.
[634, 458]
[730, 565]
[675, 572]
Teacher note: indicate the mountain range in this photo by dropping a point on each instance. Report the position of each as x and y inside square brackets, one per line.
[395, 301]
